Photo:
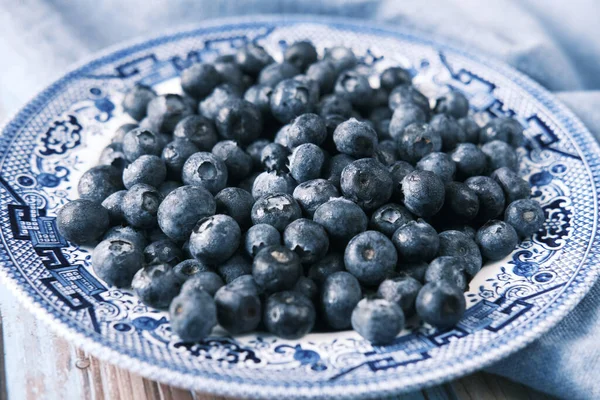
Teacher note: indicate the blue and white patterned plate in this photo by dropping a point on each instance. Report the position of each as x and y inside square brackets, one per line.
[57, 136]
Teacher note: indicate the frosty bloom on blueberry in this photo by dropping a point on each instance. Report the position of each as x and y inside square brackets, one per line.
[286, 195]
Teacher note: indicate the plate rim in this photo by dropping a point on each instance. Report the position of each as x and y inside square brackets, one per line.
[215, 385]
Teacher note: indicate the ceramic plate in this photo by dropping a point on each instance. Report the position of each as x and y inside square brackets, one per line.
[59, 134]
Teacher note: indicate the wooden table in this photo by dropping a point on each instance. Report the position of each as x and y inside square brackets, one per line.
[38, 364]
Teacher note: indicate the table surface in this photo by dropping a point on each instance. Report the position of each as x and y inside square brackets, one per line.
[38, 364]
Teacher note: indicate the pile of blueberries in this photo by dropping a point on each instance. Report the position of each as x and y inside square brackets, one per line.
[296, 196]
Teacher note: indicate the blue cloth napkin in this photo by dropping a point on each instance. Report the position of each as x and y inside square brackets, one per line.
[555, 42]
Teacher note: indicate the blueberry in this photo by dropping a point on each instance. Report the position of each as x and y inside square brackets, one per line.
[402, 291]
[97, 183]
[339, 295]
[255, 149]
[416, 241]
[112, 155]
[367, 182]
[378, 320]
[324, 73]
[270, 183]
[164, 112]
[275, 73]
[214, 239]
[414, 270]
[238, 162]
[440, 304]
[449, 130]
[500, 154]
[398, 171]
[393, 77]
[182, 208]
[513, 186]
[453, 104]
[136, 101]
[423, 193]
[311, 194]
[334, 104]
[448, 269]
[470, 160]
[334, 167]
[307, 239]
[260, 96]
[496, 240]
[236, 203]
[355, 138]
[239, 309]
[416, 141]
[526, 216]
[458, 244]
[190, 268]
[260, 236]
[308, 288]
[193, 315]
[292, 98]
[82, 221]
[354, 87]
[341, 57]
[341, 218]
[156, 285]
[239, 120]
[116, 261]
[331, 263]
[471, 129]
[278, 210]
[440, 164]
[504, 129]
[371, 257]
[275, 157]
[301, 54]
[406, 115]
[199, 130]
[205, 281]
[206, 170]
[230, 72]
[138, 142]
[389, 217]
[212, 105]
[252, 58]
[146, 169]
[199, 80]
[306, 162]
[381, 117]
[163, 252]
[175, 154]
[461, 202]
[113, 205]
[404, 95]
[289, 315]
[128, 234]
[386, 152]
[276, 268]
[234, 267]
[490, 194]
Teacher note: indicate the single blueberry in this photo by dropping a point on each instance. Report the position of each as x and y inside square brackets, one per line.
[513, 186]
[526, 216]
[311, 194]
[163, 252]
[289, 314]
[334, 104]
[355, 138]
[230, 72]
[260, 96]
[423, 193]
[275, 73]
[416, 241]
[500, 154]
[215, 239]
[291, 98]
[461, 202]
[252, 58]
[199, 80]
[470, 160]
[239, 120]
[82, 221]
[238, 162]
[496, 240]
[378, 320]
[371, 257]
[458, 244]
[199, 130]
[393, 77]
[116, 261]
[128, 234]
[187, 269]
[139, 141]
[341, 218]
[156, 285]
[136, 101]
[367, 182]
[113, 205]
[389, 217]
[260, 236]
[453, 104]
[275, 157]
[276, 268]
[490, 194]
[269, 183]
[340, 293]
[239, 309]
[206, 281]
[406, 94]
[146, 169]
[175, 154]
[306, 238]
[354, 87]
[99, 182]
[206, 170]
[301, 54]
[406, 115]
[440, 164]
[193, 315]
[182, 209]
[440, 304]
[449, 130]
[278, 210]
[416, 141]
[324, 73]
[341, 57]
[306, 162]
